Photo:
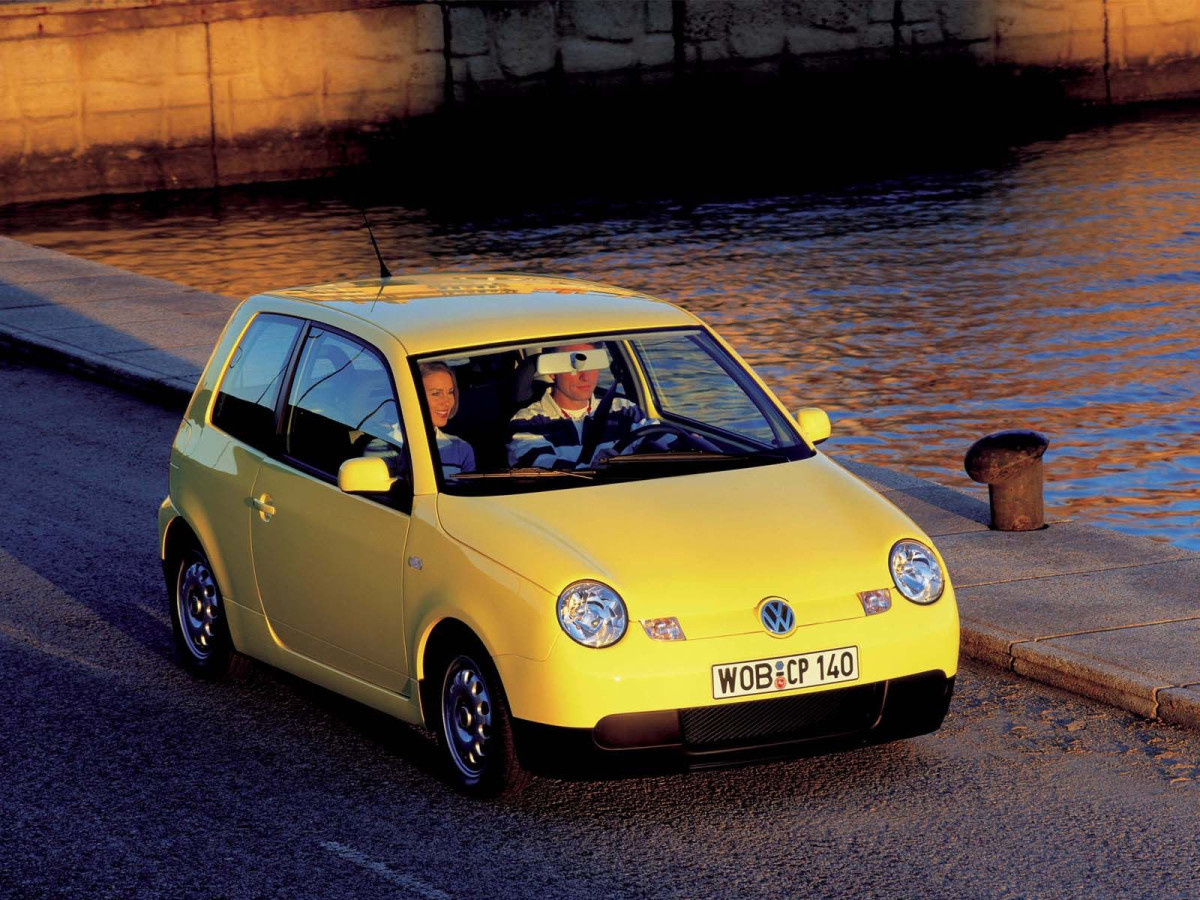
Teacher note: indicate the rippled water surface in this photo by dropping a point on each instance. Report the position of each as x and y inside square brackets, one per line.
[1056, 291]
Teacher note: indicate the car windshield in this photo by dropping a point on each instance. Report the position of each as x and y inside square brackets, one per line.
[596, 408]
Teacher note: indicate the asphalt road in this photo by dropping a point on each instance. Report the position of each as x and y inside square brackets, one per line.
[124, 777]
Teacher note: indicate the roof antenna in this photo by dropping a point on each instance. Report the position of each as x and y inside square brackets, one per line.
[383, 269]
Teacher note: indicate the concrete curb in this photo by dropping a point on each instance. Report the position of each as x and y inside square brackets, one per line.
[986, 644]
[1087, 676]
[1180, 706]
[171, 393]
[1092, 678]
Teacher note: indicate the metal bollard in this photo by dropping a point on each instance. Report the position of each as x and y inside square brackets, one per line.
[1010, 464]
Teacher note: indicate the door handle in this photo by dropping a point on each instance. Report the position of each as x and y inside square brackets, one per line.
[264, 507]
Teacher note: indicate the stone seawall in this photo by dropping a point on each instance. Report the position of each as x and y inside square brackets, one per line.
[111, 96]
[128, 95]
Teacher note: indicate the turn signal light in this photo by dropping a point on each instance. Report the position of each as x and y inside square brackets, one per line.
[663, 629]
[874, 602]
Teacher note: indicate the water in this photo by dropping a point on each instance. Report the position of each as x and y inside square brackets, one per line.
[1055, 290]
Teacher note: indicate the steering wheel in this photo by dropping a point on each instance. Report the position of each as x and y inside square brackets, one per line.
[663, 429]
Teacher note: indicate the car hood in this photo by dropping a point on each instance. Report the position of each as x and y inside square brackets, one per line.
[705, 548]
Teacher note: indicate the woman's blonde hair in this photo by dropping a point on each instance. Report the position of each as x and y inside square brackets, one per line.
[427, 369]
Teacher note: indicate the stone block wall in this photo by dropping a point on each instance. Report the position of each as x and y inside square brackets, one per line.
[111, 95]
[1097, 50]
[1154, 48]
[119, 95]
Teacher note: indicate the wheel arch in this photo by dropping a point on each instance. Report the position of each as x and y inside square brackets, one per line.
[442, 634]
[177, 536]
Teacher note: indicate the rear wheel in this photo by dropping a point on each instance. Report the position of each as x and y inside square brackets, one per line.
[474, 729]
[202, 640]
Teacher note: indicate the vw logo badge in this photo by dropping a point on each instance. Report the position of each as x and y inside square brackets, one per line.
[777, 617]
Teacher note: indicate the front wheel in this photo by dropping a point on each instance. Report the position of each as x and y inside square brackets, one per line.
[474, 729]
[202, 640]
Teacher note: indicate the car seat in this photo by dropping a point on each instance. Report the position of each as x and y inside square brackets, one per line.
[484, 388]
[527, 388]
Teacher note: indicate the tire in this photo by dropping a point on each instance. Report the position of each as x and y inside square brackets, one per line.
[203, 644]
[474, 728]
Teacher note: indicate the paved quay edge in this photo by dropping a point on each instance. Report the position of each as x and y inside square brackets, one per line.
[944, 512]
[145, 383]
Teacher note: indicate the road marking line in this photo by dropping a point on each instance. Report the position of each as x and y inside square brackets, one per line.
[397, 878]
[66, 654]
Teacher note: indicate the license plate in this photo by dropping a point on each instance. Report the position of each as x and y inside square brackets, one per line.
[783, 673]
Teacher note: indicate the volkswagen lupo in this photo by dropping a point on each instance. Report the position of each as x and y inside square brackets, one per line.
[379, 487]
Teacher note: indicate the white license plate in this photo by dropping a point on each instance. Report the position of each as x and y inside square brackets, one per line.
[783, 673]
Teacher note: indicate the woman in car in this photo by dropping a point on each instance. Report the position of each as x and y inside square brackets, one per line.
[441, 394]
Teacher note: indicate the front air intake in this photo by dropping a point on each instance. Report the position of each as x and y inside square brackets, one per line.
[808, 716]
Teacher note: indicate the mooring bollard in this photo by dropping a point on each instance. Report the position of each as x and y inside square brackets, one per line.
[1010, 464]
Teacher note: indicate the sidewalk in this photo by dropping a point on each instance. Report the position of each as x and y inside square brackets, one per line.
[1099, 613]
[144, 334]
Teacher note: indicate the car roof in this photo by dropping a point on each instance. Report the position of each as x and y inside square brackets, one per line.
[431, 313]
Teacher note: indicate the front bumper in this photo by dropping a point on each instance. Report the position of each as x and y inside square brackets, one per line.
[756, 730]
[577, 687]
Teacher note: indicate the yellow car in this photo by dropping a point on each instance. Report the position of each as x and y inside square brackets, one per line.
[560, 524]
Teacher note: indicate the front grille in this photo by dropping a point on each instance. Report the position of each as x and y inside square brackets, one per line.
[840, 711]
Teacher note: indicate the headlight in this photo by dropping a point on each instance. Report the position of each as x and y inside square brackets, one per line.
[592, 613]
[916, 572]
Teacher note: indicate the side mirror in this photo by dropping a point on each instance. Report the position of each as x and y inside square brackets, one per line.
[814, 424]
[364, 475]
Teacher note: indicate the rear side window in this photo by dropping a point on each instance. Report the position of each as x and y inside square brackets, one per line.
[342, 405]
[245, 406]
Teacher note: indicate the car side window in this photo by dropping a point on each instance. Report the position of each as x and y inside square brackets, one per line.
[245, 404]
[342, 405]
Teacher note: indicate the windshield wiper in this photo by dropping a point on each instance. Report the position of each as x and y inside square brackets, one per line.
[529, 472]
[689, 456]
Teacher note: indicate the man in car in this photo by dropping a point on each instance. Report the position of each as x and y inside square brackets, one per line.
[550, 432]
